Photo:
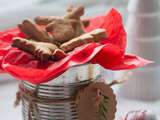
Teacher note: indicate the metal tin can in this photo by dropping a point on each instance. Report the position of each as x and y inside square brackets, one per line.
[56, 99]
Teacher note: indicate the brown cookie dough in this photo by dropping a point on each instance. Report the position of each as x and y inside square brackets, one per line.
[93, 36]
[32, 31]
[50, 38]
[66, 27]
[96, 102]
[41, 50]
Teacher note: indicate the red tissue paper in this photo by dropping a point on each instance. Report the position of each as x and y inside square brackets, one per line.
[109, 53]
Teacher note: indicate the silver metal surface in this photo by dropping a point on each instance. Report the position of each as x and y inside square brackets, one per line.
[62, 110]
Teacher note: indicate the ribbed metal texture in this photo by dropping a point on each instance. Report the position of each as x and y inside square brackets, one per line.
[61, 110]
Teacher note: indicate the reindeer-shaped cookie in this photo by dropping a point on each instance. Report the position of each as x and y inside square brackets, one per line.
[49, 38]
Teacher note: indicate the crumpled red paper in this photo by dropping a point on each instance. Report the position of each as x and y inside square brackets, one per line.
[110, 53]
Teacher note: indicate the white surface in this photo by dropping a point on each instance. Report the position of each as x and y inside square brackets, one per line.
[142, 85]
[144, 6]
[14, 11]
[8, 112]
[142, 29]
[7, 97]
[125, 106]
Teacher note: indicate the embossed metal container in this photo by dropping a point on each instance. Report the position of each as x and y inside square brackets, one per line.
[59, 93]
